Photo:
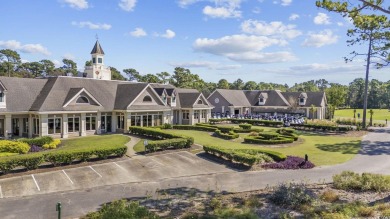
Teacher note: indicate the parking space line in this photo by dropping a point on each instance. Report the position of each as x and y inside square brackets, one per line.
[187, 158]
[95, 171]
[119, 166]
[36, 183]
[156, 161]
[1, 193]
[67, 176]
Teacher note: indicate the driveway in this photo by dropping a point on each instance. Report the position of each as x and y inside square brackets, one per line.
[145, 175]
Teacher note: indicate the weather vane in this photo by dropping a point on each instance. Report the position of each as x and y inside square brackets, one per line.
[97, 37]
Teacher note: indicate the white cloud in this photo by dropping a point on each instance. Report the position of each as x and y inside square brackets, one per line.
[256, 10]
[169, 34]
[78, 4]
[243, 48]
[185, 3]
[340, 24]
[127, 5]
[221, 12]
[275, 28]
[321, 18]
[26, 48]
[320, 39]
[286, 2]
[204, 64]
[90, 25]
[138, 32]
[293, 17]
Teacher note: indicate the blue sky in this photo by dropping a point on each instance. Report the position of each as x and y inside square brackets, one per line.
[281, 41]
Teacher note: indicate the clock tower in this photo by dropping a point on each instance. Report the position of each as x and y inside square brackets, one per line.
[97, 70]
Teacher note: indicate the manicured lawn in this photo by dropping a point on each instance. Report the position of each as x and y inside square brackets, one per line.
[94, 141]
[379, 114]
[321, 149]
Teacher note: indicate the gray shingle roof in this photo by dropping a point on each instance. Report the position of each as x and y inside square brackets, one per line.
[126, 93]
[274, 98]
[314, 98]
[97, 49]
[235, 97]
[187, 100]
[72, 92]
[21, 92]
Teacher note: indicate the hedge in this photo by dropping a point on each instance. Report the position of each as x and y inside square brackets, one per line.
[249, 121]
[195, 127]
[14, 147]
[245, 126]
[244, 156]
[240, 130]
[269, 135]
[176, 143]
[57, 157]
[288, 132]
[321, 127]
[160, 134]
[39, 141]
[229, 135]
[261, 140]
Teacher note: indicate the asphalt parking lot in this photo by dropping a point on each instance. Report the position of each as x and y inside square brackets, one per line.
[135, 169]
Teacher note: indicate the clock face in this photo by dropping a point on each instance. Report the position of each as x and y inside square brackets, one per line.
[216, 100]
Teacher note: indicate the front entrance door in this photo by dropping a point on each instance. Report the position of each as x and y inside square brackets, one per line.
[108, 123]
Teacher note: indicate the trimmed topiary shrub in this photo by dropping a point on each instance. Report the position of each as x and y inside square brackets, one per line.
[245, 126]
[230, 135]
[39, 141]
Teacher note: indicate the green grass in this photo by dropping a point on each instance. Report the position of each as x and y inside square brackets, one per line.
[379, 114]
[321, 149]
[94, 141]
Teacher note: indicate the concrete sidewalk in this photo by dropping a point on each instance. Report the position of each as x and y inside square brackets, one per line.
[130, 145]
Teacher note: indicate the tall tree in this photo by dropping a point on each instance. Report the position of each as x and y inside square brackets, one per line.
[116, 75]
[70, 66]
[371, 29]
[150, 78]
[163, 76]
[336, 94]
[10, 60]
[132, 74]
[48, 67]
[183, 78]
[250, 85]
[237, 84]
[223, 84]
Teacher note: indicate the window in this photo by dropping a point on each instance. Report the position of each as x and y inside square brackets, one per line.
[186, 114]
[54, 125]
[157, 120]
[120, 122]
[301, 100]
[147, 99]
[36, 126]
[164, 98]
[94, 60]
[173, 99]
[90, 123]
[100, 60]
[196, 114]
[73, 124]
[1, 97]
[200, 102]
[25, 125]
[204, 113]
[82, 100]
[261, 100]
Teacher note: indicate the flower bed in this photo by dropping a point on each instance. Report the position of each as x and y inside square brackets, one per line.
[290, 162]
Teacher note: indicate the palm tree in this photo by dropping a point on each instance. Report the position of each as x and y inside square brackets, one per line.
[371, 112]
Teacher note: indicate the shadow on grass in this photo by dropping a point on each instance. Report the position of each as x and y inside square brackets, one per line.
[351, 147]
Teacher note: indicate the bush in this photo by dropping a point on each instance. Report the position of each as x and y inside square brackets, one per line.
[245, 126]
[329, 196]
[176, 143]
[14, 147]
[292, 195]
[35, 148]
[160, 134]
[291, 162]
[262, 140]
[167, 126]
[29, 161]
[348, 180]
[195, 127]
[122, 209]
[52, 145]
[230, 135]
[39, 141]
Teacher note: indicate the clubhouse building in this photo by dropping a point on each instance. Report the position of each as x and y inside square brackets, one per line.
[93, 104]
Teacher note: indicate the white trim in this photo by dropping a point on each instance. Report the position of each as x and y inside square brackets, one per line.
[78, 94]
[143, 90]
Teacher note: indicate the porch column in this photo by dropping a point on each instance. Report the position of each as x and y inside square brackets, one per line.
[180, 121]
[21, 127]
[64, 126]
[126, 122]
[30, 126]
[44, 126]
[83, 127]
[8, 125]
[113, 122]
[191, 122]
[99, 123]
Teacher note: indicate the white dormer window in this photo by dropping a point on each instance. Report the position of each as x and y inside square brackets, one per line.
[2, 99]
[261, 101]
[82, 100]
[164, 98]
[302, 100]
[200, 102]
[173, 99]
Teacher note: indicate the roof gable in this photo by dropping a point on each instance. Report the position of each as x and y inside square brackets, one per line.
[75, 93]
